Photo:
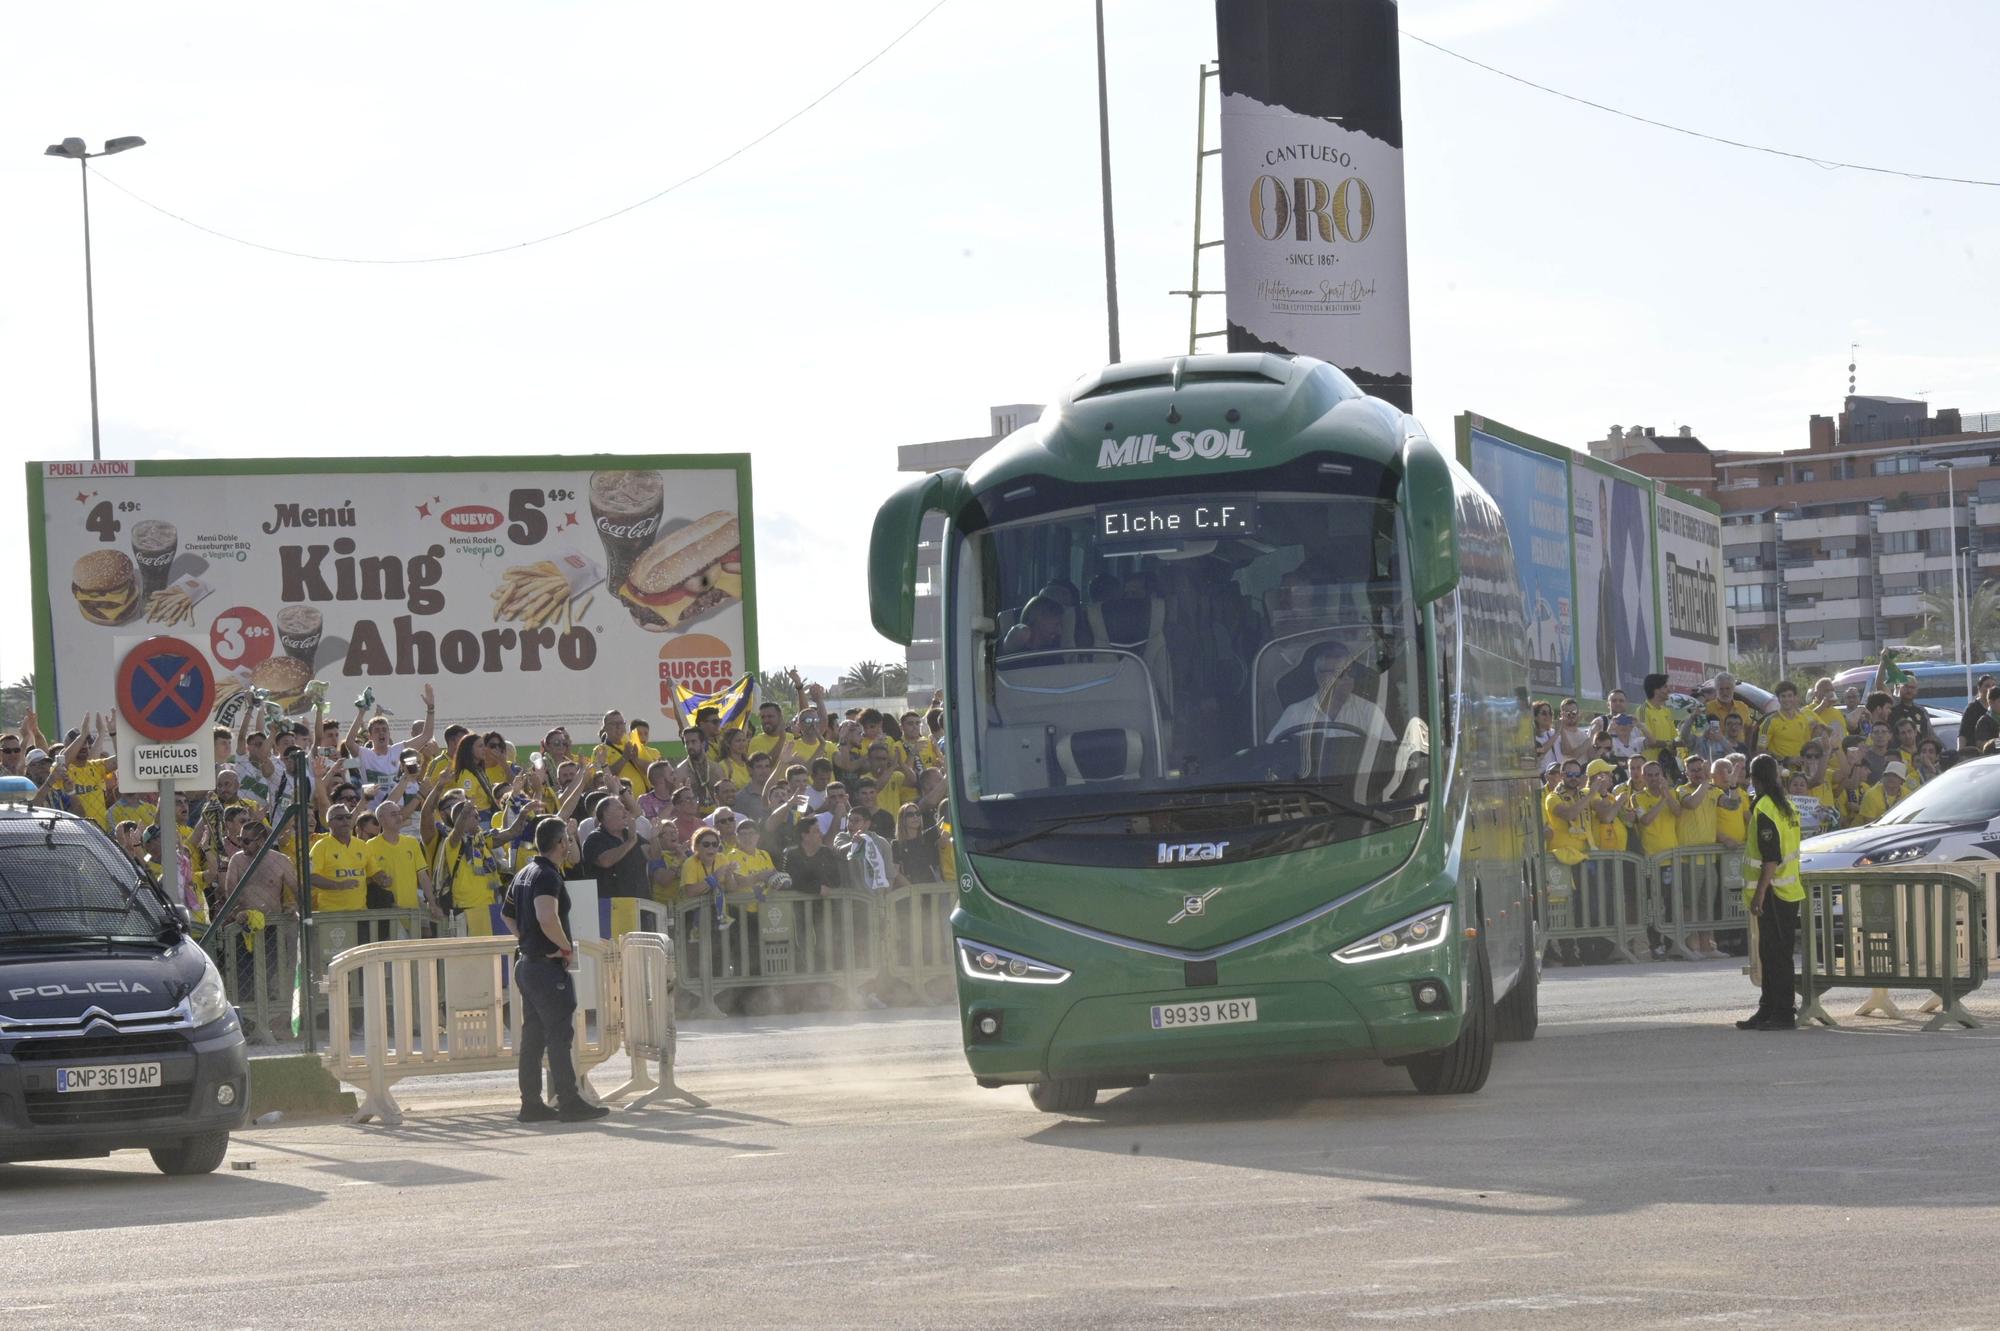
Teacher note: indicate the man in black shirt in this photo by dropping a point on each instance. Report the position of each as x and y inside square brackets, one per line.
[615, 854]
[1975, 712]
[1907, 708]
[812, 865]
[538, 910]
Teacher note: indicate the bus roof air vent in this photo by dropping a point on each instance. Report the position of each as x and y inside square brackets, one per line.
[1243, 367]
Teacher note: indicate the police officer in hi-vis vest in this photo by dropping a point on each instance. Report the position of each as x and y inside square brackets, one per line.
[1772, 892]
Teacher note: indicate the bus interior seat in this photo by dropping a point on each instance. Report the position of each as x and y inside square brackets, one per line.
[1101, 755]
[1136, 624]
[1049, 694]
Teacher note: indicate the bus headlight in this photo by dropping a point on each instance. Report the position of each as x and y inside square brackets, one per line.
[1411, 935]
[208, 1002]
[993, 963]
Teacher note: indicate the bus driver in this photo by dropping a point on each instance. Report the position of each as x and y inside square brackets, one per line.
[1333, 699]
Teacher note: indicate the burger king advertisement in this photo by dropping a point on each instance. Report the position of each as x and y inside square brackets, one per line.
[530, 592]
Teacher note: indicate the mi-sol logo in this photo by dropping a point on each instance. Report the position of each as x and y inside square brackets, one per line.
[1139, 449]
[1192, 852]
[1346, 211]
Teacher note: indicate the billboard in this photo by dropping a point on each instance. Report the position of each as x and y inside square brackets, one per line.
[1530, 483]
[529, 592]
[1689, 546]
[1616, 616]
[1314, 239]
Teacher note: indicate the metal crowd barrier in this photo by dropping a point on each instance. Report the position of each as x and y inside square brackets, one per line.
[1918, 927]
[1607, 896]
[439, 1005]
[260, 979]
[856, 942]
[1696, 890]
[650, 1034]
[259, 972]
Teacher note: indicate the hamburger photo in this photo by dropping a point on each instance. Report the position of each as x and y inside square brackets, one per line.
[284, 679]
[106, 586]
[686, 573]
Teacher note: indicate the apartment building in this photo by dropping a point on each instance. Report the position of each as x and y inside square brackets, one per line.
[925, 657]
[1830, 547]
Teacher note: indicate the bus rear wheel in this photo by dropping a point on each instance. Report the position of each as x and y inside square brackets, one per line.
[1461, 1067]
[1064, 1095]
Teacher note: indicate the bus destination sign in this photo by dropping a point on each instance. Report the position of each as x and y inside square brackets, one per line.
[1170, 520]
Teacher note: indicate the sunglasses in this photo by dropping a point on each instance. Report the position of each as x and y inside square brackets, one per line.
[15, 749]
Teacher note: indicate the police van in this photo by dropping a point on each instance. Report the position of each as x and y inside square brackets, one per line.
[115, 1031]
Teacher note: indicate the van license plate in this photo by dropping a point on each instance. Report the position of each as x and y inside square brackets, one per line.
[108, 1077]
[1215, 1012]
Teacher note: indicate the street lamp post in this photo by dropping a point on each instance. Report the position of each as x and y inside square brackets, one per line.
[74, 149]
[1104, 169]
[1961, 632]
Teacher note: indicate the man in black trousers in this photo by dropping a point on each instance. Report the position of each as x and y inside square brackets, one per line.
[538, 909]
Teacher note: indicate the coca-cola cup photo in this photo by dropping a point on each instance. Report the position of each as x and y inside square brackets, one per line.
[154, 544]
[299, 629]
[626, 506]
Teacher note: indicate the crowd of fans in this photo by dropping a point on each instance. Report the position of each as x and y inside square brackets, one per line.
[438, 821]
[1658, 777]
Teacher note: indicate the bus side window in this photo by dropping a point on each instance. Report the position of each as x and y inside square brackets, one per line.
[1447, 650]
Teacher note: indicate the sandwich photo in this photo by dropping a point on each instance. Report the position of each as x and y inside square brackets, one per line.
[106, 586]
[686, 573]
[284, 679]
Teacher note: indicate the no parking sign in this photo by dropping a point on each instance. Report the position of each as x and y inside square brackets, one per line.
[165, 689]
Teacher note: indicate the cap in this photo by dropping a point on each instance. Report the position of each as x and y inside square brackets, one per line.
[1598, 765]
[36, 756]
[1623, 719]
[1896, 770]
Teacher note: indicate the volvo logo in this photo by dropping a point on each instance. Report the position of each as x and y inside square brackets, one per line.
[1194, 905]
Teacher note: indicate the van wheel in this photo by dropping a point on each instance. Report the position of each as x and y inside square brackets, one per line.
[1064, 1095]
[1461, 1067]
[1519, 1013]
[196, 1155]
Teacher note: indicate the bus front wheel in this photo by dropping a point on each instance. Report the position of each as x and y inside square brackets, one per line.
[1064, 1095]
[1460, 1068]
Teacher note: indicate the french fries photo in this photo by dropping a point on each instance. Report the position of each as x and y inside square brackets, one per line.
[532, 595]
[170, 606]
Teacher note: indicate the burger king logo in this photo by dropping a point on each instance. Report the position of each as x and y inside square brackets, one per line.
[698, 662]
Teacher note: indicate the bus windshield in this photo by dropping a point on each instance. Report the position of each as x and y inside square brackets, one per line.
[1189, 644]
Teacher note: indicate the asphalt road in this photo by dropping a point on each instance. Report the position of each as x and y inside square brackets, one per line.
[1641, 1163]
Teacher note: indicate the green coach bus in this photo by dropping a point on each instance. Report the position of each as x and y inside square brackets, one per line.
[1237, 694]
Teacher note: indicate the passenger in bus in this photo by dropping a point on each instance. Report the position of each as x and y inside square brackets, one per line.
[1040, 628]
[1336, 663]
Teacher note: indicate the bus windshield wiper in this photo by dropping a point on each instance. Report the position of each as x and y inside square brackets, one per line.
[1308, 790]
[1045, 826]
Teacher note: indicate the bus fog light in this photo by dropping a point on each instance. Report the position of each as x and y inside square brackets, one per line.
[981, 962]
[1430, 996]
[986, 1027]
[1420, 931]
[225, 1094]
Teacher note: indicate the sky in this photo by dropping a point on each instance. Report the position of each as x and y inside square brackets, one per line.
[925, 242]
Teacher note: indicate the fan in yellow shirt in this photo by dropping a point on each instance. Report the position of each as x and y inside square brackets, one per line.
[339, 865]
[396, 861]
[1787, 730]
[1884, 795]
[1655, 813]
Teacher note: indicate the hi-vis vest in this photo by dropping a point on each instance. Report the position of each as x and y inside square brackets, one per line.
[1785, 883]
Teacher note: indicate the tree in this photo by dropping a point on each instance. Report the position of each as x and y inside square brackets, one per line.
[776, 686]
[16, 701]
[1983, 615]
[896, 678]
[863, 678]
[1759, 668]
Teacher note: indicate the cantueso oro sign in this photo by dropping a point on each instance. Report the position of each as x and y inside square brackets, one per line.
[530, 592]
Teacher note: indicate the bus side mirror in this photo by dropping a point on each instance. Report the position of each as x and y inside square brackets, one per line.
[892, 552]
[1430, 505]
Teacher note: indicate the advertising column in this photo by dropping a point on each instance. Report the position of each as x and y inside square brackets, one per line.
[1690, 583]
[1312, 168]
[1529, 480]
[1617, 641]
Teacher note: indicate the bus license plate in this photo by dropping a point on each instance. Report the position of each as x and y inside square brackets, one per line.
[108, 1077]
[1215, 1012]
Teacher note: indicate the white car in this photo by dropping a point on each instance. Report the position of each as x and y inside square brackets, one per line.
[1954, 817]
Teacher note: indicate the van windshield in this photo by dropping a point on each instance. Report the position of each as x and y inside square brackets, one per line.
[66, 883]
